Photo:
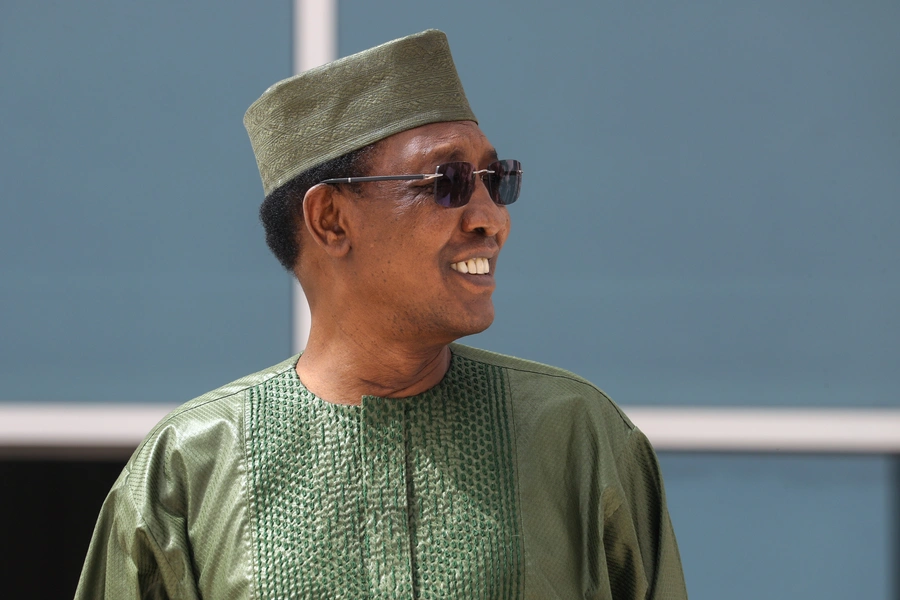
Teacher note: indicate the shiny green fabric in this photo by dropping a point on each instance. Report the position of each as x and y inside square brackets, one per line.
[509, 479]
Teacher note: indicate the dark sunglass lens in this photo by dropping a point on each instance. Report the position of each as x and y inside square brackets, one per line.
[506, 181]
[455, 187]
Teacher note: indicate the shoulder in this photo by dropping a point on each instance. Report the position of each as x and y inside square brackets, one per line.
[201, 434]
[550, 401]
[224, 399]
[181, 504]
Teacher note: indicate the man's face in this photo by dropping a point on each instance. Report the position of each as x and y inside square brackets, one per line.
[406, 249]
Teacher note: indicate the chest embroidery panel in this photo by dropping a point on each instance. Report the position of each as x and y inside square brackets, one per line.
[398, 498]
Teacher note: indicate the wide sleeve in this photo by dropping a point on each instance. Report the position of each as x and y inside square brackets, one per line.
[642, 557]
[124, 560]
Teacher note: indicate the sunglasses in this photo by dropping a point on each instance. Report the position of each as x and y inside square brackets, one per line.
[454, 183]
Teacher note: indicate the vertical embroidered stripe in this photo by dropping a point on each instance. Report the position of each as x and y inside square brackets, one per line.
[398, 498]
[306, 493]
[465, 520]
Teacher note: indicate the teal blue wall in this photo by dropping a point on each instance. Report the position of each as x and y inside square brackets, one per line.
[784, 527]
[134, 267]
[709, 217]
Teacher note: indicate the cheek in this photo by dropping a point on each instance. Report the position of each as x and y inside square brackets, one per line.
[407, 237]
[503, 233]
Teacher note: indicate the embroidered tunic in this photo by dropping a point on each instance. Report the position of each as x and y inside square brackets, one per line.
[508, 479]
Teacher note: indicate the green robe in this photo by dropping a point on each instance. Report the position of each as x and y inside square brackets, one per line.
[509, 479]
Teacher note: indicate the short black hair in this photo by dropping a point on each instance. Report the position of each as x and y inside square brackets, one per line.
[281, 212]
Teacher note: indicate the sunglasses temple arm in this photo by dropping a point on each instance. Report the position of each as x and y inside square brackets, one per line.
[383, 178]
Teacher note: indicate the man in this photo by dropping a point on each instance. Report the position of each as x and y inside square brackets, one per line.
[387, 461]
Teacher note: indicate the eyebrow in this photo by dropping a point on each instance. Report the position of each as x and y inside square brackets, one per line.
[440, 157]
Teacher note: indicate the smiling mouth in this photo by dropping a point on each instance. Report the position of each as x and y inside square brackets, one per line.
[473, 266]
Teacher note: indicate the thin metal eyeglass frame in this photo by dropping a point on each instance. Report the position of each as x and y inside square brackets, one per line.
[396, 177]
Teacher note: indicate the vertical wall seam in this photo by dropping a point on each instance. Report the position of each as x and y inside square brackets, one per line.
[314, 44]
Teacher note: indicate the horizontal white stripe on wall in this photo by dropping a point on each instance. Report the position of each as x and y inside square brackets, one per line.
[65, 430]
[874, 431]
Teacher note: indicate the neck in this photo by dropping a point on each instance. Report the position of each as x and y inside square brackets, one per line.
[342, 366]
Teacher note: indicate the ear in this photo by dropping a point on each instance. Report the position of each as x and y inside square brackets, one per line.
[325, 218]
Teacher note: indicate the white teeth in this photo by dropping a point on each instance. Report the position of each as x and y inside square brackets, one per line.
[474, 266]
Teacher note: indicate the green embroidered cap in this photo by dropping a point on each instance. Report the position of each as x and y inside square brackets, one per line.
[347, 104]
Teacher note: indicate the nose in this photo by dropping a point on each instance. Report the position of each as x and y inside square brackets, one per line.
[484, 216]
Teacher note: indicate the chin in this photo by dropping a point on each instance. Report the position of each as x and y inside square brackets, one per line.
[451, 322]
[476, 323]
